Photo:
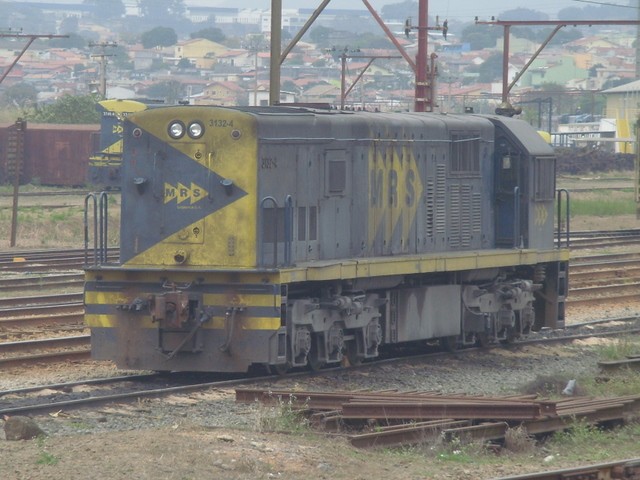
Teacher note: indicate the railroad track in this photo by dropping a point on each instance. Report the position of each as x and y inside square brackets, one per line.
[28, 317]
[604, 238]
[600, 279]
[116, 389]
[40, 282]
[67, 310]
[585, 330]
[47, 260]
[623, 470]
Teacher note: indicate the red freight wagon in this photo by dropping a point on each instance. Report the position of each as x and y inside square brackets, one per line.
[58, 154]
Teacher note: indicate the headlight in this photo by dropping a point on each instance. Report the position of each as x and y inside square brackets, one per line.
[176, 129]
[196, 130]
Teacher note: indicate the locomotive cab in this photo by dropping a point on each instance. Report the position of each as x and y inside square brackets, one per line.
[524, 169]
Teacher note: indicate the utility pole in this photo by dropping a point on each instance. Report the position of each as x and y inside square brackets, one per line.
[15, 154]
[30, 39]
[16, 145]
[505, 107]
[424, 68]
[103, 64]
[344, 91]
[276, 52]
[256, 43]
[638, 42]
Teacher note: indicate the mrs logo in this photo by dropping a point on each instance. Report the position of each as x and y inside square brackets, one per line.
[181, 193]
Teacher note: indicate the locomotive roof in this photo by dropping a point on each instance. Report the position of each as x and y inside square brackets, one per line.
[524, 134]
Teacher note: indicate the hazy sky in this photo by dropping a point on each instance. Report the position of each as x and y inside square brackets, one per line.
[461, 10]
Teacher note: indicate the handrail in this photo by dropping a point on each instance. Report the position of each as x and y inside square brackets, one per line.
[100, 227]
[288, 228]
[517, 237]
[263, 202]
[567, 217]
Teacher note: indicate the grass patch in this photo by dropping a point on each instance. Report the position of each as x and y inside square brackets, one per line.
[47, 458]
[43, 223]
[619, 349]
[285, 415]
[603, 206]
[587, 443]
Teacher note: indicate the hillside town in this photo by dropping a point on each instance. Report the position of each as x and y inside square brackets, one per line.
[195, 54]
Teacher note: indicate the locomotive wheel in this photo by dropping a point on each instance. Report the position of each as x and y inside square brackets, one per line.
[482, 340]
[510, 337]
[351, 357]
[449, 344]
[280, 369]
[315, 364]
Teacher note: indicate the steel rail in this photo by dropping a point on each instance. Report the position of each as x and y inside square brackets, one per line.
[600, 300]
[41, 282]
[69, 385]
[622, 470]
[53, 300]
[45, 343]
[145, 393]
[69, 355]
[73, 318]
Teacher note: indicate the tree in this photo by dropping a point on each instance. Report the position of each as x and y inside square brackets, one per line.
[321, 35]
[104, 9]
[490, 69]
[184, 63]
[479, 36]
[401, 10]
[372, 40]
[171, 92]
[20, 95]
[213, 34]
[120, 58]
[69, 109]
[73, 41]
[159, 37]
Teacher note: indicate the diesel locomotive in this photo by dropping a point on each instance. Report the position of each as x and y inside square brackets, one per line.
[105, 164]
[289, 236]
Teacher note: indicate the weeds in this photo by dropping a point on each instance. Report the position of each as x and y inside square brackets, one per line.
[517, 440]
[286, 415]
[582, 440]
[45, 458]
[622, 348]
[41, 226]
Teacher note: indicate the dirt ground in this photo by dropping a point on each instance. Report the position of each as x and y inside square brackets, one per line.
[190, 452]
[188, 446]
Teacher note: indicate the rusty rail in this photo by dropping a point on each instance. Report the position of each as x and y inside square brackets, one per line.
[621, 470]
[408, 418]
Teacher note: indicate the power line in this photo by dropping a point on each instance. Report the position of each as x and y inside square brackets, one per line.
[607, 4]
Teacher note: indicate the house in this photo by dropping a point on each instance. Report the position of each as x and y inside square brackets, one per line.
[201, 52]
[559, 70]
[623, 105]
[221, 93]
[322, 93]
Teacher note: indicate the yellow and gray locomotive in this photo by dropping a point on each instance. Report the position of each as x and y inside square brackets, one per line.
[289, 236]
